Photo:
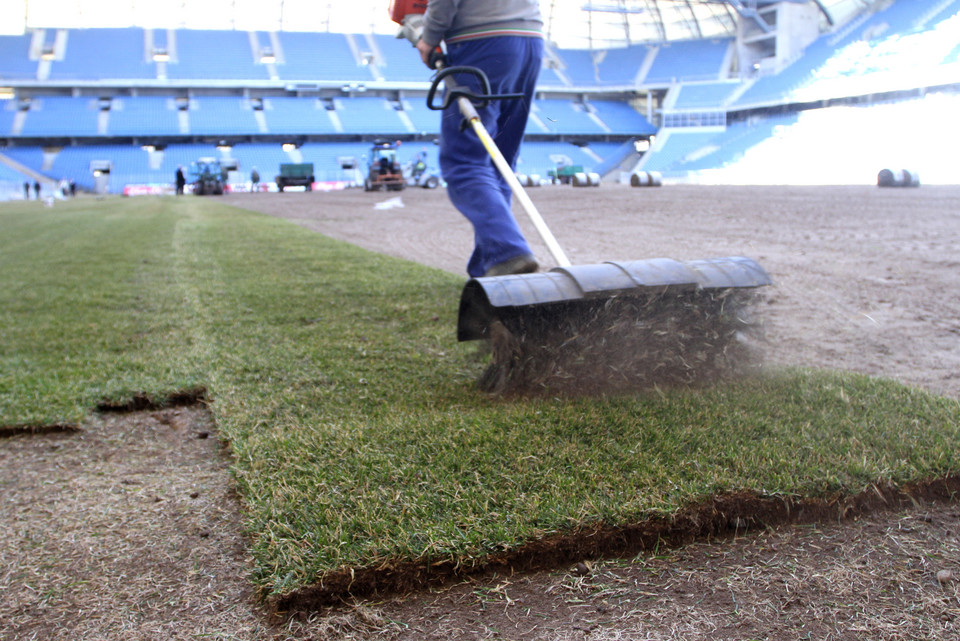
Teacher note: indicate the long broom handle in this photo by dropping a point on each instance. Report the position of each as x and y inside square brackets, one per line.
[470, 113]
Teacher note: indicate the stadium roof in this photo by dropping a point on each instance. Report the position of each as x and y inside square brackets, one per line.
[569, 23]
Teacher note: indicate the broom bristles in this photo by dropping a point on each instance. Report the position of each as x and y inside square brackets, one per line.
[625, 343]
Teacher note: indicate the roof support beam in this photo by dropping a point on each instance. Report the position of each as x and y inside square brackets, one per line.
[750, 12]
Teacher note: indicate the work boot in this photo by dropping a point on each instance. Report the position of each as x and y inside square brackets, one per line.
[523, 264]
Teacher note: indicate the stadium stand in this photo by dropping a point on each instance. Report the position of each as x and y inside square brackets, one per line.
[222, 115]
[133, 116]
[369, 115]
[952, 57]
[613, 156]
[854, 152]
[578, 67]
[838, 56]
[11, 179]
[691, 150]
[292, 115]
[30, 157]
[15, 62]
[566, 117]
[315, 57]
[540, 157]
[703, 95]
[62, 116]
[675, 146]
[397, 60]
[8, 110]
[687, 60]
[621, 66]
[896, 61]
[103, 54]
[129, 164]
[100, 96]
[424, 120]
[620, 118]
[213, 55]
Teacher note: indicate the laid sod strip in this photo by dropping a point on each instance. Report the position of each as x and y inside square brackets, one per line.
[360, 439]
[90, 309]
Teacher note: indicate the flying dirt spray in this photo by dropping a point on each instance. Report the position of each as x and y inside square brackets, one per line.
[594, 328]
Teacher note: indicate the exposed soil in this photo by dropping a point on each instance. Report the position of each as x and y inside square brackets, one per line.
[129, 528]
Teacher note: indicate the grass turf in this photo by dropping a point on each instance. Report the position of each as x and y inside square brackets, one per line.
[359, 439]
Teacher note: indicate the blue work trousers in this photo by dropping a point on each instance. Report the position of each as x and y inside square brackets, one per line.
[475, 186]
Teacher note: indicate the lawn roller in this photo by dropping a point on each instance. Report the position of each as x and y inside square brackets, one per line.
[600, 327]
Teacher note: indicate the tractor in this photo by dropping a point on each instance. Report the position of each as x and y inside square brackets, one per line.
[207, 176]
[384, 171]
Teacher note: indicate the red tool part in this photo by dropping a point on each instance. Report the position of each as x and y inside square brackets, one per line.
[400, 9]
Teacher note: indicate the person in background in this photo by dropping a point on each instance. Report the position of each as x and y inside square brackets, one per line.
[254, 180]
[181, 181]
[503, 39]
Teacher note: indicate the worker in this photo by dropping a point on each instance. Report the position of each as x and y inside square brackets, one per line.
[419, 165]
[181, 180]
[503, 39]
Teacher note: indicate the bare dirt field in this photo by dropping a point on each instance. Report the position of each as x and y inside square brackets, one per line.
[129, 529]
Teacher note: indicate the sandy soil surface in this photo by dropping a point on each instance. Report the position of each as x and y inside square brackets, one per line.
[129, 529]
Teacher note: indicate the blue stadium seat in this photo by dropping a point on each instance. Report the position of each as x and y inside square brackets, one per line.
[15, 63]
[952, 57]
[291, 115]
[319, 56]
[540, 157]
[621, 66]
[688, 60]
[945, 11]
[424, 120]
[221, 115]
[621, 118]
[549, 77]
[129, 165]
[214, 55]
[775, 89]
[62, 116]
[565, 117]
[706, 95]
[902, 16]
[266, 157]
[8, 175]
[695, 150]
[401, 62]
[8, 110]
[578, 66]
[369, 115]
[894, 21]
[678, 146]
[103, 54]
[144, 115]
[29, 157]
